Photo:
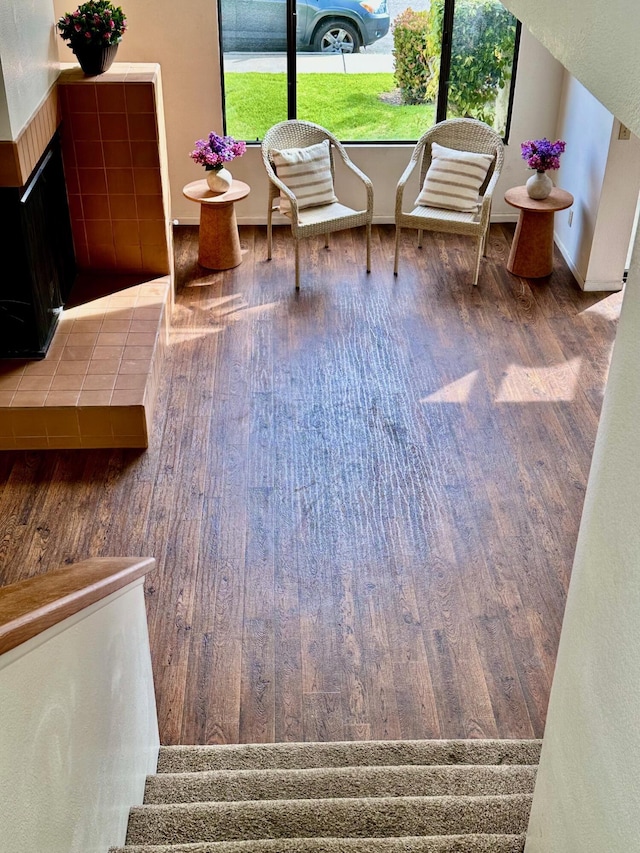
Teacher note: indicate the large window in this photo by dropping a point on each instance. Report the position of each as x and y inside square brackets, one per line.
[377, 70]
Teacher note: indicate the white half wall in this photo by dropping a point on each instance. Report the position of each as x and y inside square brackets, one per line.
[588, 784]
[79, 730]
[28, 56]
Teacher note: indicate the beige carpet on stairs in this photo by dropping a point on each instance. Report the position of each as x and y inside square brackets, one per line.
[455, 796]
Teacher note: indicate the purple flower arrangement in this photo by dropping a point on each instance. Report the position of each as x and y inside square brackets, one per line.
[541, 154]
[216, 151]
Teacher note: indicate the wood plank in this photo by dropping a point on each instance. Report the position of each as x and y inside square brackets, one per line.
[363, 498]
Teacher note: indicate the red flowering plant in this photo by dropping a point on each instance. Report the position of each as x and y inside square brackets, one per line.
[216, 151]
[95, 22]
[541, 154]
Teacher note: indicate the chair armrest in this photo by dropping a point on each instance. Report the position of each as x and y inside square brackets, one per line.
[488, 193]
[402, 182]
[348, 162]
[485, 209]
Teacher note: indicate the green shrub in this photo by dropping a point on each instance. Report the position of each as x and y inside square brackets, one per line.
[413, 49]
[481, 57]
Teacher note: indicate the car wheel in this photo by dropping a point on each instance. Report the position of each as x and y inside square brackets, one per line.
[336, 37]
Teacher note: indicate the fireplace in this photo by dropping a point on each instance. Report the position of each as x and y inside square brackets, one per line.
[38, 262]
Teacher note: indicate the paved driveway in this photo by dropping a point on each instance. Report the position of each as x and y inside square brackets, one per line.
[309, 63]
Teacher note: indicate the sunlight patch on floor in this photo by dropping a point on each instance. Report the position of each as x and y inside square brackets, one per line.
[181, 336]
[520, 384]
[456, 392]
[556, 383]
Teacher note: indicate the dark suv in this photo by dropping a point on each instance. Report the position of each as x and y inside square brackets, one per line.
[326, 26]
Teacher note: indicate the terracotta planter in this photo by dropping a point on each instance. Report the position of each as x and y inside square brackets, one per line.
[95, 58]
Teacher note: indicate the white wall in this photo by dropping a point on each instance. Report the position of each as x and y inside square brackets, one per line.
[586, 127]
[535, 113]
[588, 786]
[616, 214]
[79, 730]
[5, 124]
[28, 55]
[603, 174]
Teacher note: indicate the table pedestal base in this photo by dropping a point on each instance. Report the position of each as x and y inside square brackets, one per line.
[219, 247]
[531, 253]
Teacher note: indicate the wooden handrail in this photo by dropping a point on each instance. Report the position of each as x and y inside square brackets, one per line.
[31, 606]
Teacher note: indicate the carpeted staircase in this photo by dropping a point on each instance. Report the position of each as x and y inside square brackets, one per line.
[443, 796]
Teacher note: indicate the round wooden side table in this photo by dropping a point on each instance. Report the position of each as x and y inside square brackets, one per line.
[219, 242]
[531, 253]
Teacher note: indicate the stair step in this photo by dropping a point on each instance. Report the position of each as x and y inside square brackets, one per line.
[406, 844]
[356, 817]
[335, 782]
[184, 759]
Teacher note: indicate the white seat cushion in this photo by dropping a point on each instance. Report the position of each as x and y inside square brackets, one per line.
[307, 173]
[454, 178]
[439, 214]
[325, 213]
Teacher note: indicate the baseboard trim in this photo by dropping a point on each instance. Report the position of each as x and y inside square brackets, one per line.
[609, 286]
[569, 261]
[499, 218]
[377, 220]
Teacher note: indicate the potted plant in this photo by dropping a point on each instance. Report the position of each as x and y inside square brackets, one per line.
[93, 32]
[214, 153]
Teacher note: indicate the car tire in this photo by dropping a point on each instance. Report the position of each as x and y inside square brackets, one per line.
[336, 37]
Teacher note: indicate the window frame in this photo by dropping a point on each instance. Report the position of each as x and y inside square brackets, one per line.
[443, 83]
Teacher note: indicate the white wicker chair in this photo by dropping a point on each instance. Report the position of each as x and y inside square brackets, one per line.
[312, 221]
[464, 134]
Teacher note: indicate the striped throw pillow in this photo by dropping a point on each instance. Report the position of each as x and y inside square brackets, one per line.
[307, 173]
[454, 178]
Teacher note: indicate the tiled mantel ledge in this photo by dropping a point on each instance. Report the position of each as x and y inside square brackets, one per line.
[98, 383]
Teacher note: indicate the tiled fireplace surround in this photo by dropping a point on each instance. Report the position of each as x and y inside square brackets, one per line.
[97, 385]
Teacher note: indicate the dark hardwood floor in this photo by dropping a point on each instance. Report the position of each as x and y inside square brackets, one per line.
[363, 498]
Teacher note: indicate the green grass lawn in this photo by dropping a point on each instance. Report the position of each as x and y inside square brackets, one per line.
[346, 104]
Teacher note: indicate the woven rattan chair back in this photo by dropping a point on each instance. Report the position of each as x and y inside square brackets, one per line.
[463, 134]
[326, 218]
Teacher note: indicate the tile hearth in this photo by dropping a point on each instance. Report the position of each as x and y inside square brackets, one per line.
[98, 383]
